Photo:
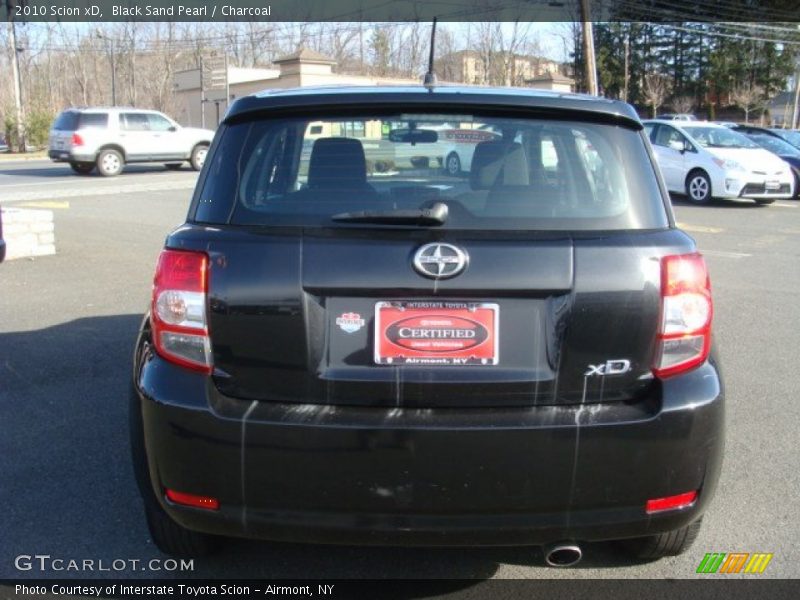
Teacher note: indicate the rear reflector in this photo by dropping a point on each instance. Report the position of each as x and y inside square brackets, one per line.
[670, 502]
[192, 500]
[178, 311]
[684, 338]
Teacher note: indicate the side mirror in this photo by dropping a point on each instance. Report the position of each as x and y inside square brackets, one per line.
[173, 128]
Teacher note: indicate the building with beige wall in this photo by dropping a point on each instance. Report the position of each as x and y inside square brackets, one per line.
[309, 68]
[551, 81]
[303, 68]
[496, 68]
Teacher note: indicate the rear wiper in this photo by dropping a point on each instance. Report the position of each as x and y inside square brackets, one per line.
[434, 215]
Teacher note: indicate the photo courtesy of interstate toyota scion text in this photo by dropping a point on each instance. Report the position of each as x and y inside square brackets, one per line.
[352, 341]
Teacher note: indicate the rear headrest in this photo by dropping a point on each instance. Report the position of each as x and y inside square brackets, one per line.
[497, 163]
[337, 163]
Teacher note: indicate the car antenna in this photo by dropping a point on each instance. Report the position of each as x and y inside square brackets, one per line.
[429, 81]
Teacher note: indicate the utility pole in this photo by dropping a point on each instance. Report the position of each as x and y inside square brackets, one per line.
[627, 77]
[202, 95]
[589, 64]
[113, 75]
[20, 113]
[112, 43]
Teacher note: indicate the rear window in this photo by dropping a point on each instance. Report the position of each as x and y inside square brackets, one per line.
[66, 121]
[492, 173]
[72, 121]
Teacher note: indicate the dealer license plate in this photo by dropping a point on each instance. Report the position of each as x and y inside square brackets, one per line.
[436, 333]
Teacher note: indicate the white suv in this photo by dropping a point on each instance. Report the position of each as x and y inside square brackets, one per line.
[107, 138]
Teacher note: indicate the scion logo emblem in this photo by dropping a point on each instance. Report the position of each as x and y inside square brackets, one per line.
[440, 261]
[610, 367]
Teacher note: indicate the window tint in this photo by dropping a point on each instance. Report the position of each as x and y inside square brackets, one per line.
[158, 122]
[134, 122]
[93, 120]
[515, 173]
[667, 135]
[720, 137]
[66, 121]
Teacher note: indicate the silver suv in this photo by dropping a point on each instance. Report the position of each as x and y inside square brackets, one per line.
[107, 138]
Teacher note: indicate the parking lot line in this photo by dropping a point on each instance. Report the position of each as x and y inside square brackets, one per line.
[45, 204]
[725, 254]
[700, 228]
[784, 205]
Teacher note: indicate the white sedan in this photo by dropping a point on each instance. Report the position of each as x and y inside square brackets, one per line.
[704, 160]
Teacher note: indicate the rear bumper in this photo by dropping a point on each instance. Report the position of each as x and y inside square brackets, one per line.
[430, 477]
[68, 155]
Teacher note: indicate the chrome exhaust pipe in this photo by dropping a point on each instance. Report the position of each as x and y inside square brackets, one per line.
[562, 554]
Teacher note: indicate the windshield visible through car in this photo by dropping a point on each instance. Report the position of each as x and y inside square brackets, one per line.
[719, 137]
[387, 170]
[793, 137]
[775, 145]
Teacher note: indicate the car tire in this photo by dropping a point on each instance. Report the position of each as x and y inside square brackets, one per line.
[670, 543]
[764, 201]
[82, 168]
[110, 162]
[452, 164]
[173, 166]
[698, 187]
[170, 537]
[198, 157]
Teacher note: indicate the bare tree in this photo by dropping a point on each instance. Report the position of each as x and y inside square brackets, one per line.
[748, 97]
[656, 88]
[682, 104]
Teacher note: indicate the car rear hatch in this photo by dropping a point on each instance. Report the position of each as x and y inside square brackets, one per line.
[64, 126]
[71, 127]
[313, 300]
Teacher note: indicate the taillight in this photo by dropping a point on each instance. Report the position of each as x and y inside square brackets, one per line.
[178, 312]
[684, 338]
[656, 505]
[194, 500]
[76, 140]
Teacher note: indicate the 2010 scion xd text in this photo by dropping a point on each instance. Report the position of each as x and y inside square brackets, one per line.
[351, 342]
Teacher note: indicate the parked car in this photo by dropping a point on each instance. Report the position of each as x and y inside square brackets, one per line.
[780, 147]
[458, 146]
[108, 138]
[520, 357]
[677, 117]
[3, 144]
[706, 161]
[730, 124]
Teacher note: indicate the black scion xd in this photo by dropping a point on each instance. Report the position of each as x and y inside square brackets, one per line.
[350, 343]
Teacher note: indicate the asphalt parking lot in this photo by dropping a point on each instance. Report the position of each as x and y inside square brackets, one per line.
[67, 327]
